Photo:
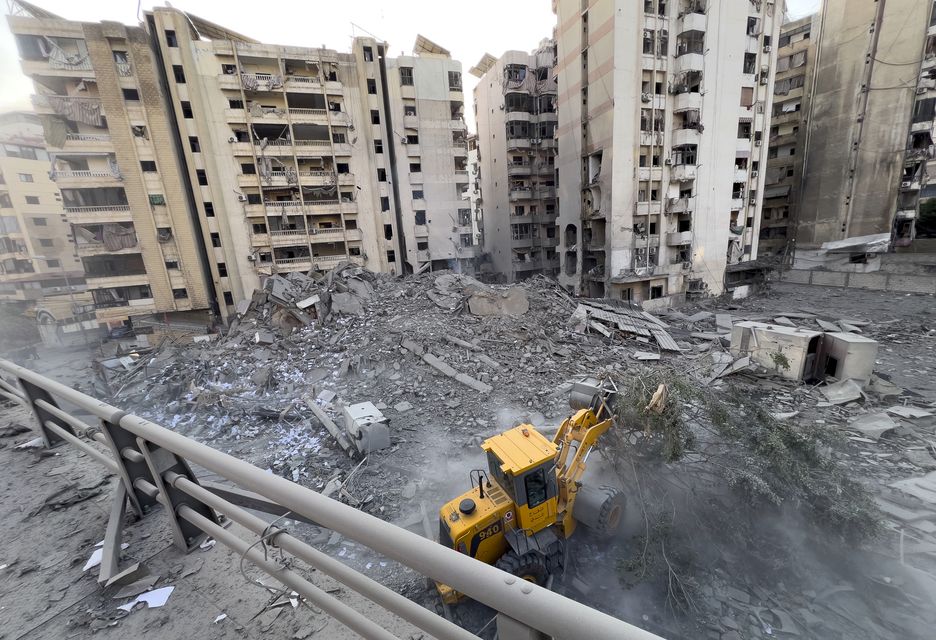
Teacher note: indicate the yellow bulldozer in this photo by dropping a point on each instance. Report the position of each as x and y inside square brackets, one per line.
[519, 513]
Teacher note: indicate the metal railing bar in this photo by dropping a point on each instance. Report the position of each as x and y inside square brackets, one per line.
[9, 387]
[252, 501]
[79, 425]
[103, 458]
[426, 620]
[100, 409]
[330, 605]
[12, 398]
[524, 601]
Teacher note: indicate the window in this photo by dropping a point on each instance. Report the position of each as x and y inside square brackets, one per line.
[418, 194]
[381, 175]
[157, 199]
[415, 167]
[138, 130]
[384, 203]
[215, 240]
[409, 110]
[186, 109]
[171, 38]
[53, 263]
[535, 485]
[368, 54]
[5, 202]
[148, 166]
[131, 95]
[388, 232]
[25, 177]
[371, 86]
[172, 264]
[656, 292]
[420, 217]
[39, 222]
[193, 143]
[339, 138]
[222, 270]
[253, 198]
[179, 294]
[259, 227]
[178, 73]
[464, 217]
[375, 116]
[229, 69]
[406, 76]
[412, 139]
[747, 96]
[202, 177]
[46, 242]
[454, 78]
[378, 146]
[391, 256]
[209, 209]
[236, 104]
[32, 199]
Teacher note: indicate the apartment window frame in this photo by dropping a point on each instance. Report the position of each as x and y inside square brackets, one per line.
[406, 76]
[148, 166]
[178, 73]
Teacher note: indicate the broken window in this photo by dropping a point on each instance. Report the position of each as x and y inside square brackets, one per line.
[368, 54]
[750, 63]
[412, 139]
[406, 76]
[454, 81]
[409, 110]
[131, 95]
[229, 69]
[371, 86]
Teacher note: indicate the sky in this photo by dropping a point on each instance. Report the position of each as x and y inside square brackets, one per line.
[468, 30]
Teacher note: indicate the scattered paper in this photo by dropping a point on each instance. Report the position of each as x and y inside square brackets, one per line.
[207, 544]
[153, 599]
[97, 555]
[220, 618]
[842, 392]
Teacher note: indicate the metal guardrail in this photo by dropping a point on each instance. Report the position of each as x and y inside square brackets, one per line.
[153, 464]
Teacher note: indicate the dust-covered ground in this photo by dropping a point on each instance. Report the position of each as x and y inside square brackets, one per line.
[676, 568]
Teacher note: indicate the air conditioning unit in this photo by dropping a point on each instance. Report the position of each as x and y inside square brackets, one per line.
[754, 174]
[668, 162]
[241, 197]
[536, 140]
[251, 258]
[645, 97]
[752, 200]
[906, 183]
[763, 79]
[757, 143]
[766, 48]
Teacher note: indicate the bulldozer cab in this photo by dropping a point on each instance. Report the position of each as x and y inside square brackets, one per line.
[523, 463]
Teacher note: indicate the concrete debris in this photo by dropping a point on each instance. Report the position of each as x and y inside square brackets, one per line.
[872, 425]
[842, 392]
[367, 426]
[906, 411]
[625, 319]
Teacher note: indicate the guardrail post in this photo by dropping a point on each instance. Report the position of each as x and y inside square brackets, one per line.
[161, 462]
[131, 464]
[33, 393]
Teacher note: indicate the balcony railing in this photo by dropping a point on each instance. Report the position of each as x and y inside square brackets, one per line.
[86, 137]
[298, 260]
[308, 112]
[84, 173]
[124, 69]
[107, 208]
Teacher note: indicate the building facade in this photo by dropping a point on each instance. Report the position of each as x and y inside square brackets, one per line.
[662, 115]
[193, 161]
[870, 125]
[111, 146]
[37, 253]
[796, 57]
[515, 110]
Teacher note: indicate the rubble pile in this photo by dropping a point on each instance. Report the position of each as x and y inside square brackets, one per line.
[441, 361]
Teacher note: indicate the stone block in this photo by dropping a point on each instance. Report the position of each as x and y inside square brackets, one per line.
[912, 284]
[876, 281]
[829, 278]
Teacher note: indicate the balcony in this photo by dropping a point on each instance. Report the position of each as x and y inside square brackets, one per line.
[740, 175]
[44, 68]
[327, 234]
[302, 263]
[906, 214]
[108, 281]
[678, 238]
[521, 194]
[517, 116]
[925, 126]
[115, 309]
[522, 241]
[518, 143]
[686, 136]
[260, 240]
[78, 142]
[315, 116]
[422, 255]
[518, 169]
[692, 21]
[461, 176]
[690, 62]
[303, 84]
[85, 178]
[545, 192]
[690, 100]
[649, 173]
[683, 172]
[55, 105]
[103, 213]
[680, 205]
[288, 237]
[88, 249]
[643, 208]
[325, 263]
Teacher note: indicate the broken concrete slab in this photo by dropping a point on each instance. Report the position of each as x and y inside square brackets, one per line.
[910, 412]
[494, 302]
[700, 316]
[827, 326]
[264, 337]
[724, 321]
[645, 356]
[783, 320]
[873, 425]
[347, 304]
[842, 392]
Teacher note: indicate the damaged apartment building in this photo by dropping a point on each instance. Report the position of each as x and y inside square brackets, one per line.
[865, 162]
[663, 106]
[225, 159]
[515, 110]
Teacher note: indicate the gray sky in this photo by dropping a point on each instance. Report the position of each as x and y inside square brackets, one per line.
[465, 29]
[468, 30]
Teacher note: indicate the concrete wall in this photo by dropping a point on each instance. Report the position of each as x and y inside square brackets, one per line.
[842, 117]
[904, 272]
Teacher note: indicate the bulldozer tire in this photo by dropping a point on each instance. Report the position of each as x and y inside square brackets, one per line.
[601, 509]
[529, 566]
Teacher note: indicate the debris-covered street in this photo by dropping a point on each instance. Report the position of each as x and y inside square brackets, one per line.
[732, 529]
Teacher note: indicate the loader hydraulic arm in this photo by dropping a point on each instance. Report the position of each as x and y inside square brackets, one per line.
[575, 439]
